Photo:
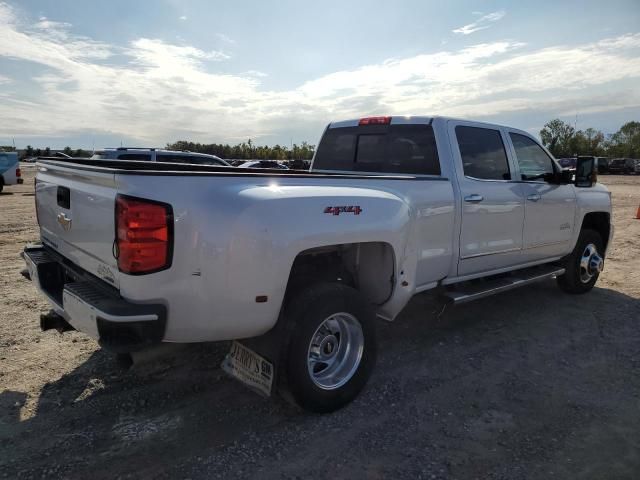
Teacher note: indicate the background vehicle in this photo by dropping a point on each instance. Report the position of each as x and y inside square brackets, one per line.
[263, 164]
[158, 155]
[602, 164]
[9, 169]
[134, 254]
[622, 166]
[568, 163]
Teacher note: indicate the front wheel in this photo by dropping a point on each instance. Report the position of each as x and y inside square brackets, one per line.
[332, 347]
[584, 264]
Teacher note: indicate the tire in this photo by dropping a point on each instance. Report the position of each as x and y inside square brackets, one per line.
[577, 279]
[319, 319]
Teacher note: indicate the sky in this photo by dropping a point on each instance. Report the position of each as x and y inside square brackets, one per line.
[151, 72]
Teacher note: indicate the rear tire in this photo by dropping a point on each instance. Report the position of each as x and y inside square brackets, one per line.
[332, 346]
[582, 265]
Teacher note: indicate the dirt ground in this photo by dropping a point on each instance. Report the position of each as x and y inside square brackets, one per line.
[533, 383]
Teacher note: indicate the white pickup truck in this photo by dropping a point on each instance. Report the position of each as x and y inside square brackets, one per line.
[136, 253]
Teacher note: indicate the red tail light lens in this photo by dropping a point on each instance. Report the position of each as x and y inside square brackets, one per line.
[18, 173]
[375, 121]
[144, 235]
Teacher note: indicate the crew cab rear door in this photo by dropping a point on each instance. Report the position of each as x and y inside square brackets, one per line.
[550, 209]
[492, 202]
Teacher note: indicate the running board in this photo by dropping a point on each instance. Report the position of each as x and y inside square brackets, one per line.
[468, 291]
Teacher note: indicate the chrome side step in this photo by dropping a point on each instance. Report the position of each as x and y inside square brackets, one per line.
[476, 289]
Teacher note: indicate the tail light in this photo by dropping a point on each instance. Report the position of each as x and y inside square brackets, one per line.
[375, 121]
[18, 173]
[144, 235]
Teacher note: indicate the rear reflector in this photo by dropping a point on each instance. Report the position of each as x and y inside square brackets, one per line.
[375, 121]
[18, 173]
[144, 235]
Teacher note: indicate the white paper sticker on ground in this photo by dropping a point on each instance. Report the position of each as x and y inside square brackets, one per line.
[249, 367]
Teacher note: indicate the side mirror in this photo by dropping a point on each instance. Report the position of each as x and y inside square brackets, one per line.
[566, 177]
[586, 172]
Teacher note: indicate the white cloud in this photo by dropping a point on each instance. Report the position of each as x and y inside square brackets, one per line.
[183, 17]
[480, 24]
[159, 92]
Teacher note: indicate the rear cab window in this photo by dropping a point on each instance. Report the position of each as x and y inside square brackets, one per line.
[404, 149]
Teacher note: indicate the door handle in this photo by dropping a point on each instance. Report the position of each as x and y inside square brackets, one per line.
[534, 197]
[474, 198]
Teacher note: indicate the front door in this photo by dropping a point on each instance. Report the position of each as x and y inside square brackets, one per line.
[549, 209]
[492, 201]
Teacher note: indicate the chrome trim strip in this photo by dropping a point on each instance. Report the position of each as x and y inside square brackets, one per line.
[475, 255]
[548, 244]
[490, 180]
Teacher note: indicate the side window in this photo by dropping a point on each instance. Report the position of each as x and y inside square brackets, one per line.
[532, 159]
[134, 156]
[483, 153]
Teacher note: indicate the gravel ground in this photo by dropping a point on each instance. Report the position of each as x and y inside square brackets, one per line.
[528, 384]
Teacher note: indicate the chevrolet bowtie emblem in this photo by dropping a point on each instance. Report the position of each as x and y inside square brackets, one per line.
[64, 221]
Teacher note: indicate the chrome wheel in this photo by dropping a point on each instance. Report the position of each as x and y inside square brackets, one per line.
[335, 351]
[591, 263]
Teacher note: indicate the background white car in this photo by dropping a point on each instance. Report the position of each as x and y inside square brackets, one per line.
[158, 155]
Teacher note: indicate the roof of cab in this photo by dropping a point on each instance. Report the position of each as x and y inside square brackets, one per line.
[423, 120]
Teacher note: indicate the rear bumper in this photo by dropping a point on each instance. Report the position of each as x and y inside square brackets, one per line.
[93, 307]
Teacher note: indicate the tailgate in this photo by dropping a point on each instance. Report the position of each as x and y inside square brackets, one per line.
[75, 210]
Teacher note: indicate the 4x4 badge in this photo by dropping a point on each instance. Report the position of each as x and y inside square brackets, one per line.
[355, 209]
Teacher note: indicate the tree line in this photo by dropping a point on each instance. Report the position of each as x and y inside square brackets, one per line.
[563, 140]
[29, 152]
[247, 150]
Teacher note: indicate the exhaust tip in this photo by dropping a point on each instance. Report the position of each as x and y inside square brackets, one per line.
[53, 321]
